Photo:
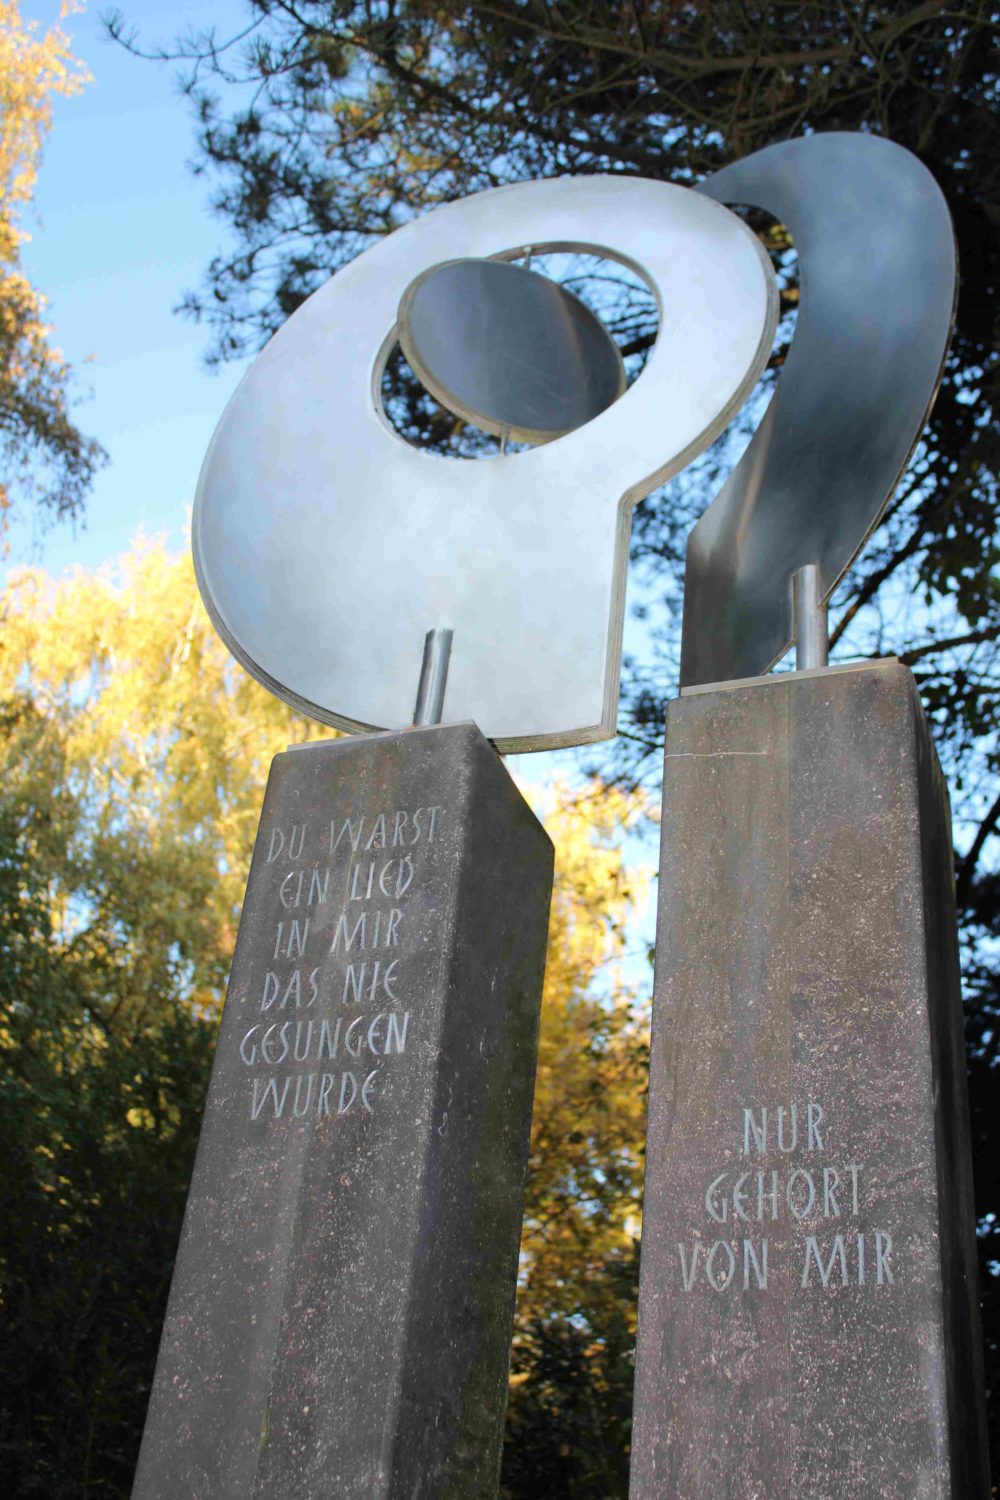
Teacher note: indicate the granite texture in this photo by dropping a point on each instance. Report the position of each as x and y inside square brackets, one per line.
[808, 1323]
[340, 1315]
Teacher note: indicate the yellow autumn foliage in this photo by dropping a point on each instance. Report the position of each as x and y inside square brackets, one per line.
[588, 1127]
[160, 733]
[35, 65]
[158, 728]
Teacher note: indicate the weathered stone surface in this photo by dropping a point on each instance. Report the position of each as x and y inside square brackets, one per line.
[340, 1316]
[808, 1323]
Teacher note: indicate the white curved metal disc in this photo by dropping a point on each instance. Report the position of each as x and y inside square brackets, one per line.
[326, 546]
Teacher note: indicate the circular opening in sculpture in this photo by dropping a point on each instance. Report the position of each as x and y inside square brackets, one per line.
[584, 300]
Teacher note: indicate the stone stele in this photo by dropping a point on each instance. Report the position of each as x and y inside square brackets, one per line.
[340, 1316]
[808, 1317]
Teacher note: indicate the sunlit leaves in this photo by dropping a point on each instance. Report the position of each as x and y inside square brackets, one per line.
[43, 457]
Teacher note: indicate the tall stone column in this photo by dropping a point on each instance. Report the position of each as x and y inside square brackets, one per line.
[808, 1325]
[340, 1315]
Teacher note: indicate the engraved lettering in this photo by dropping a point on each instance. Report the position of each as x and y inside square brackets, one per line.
[270, 1091]
[750, 1259]
[356, 1050]
[759, 1132]
[814, 1117]
[395, 1040]
[772, 1195]
[382, 929]
[348, 828]
[800, 1193]
[354, 980]
[883, 1249]
[340, 932]
[253, 1047]
[688, 1276]
[330, 1041]
[403, 871]
[294, 940]
[374, 1036]
[376, 839]
[825, 1273]
[309, 1080]
[290, 1045]
[739, 1197]
[366, 894]
[810, 1188]
[782, 1116]
[720, 1286]
[718, 1210]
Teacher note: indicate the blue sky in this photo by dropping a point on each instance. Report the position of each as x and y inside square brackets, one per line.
[122, 229]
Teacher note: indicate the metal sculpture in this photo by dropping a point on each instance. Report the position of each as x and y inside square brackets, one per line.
[550, 364]
[327, 547]
[878, 275]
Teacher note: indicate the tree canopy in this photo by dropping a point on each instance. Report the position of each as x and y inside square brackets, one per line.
[44, 458]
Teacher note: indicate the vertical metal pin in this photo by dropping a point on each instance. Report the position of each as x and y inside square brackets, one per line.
[433, 677]
[809, 613]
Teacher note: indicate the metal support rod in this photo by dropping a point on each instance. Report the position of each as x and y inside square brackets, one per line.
[433, 677]
[809, 612]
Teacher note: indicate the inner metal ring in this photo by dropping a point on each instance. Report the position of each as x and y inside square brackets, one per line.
[508, 350]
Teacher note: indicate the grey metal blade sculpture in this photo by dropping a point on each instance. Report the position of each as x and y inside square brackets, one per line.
[878, 276]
